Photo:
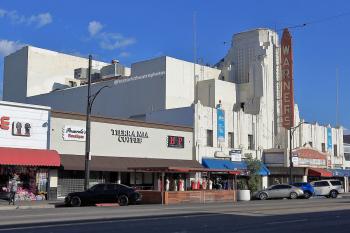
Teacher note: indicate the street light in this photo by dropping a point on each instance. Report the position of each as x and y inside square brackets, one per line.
[291, 135]
[90, 101]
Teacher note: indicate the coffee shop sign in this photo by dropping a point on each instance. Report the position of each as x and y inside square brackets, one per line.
[129, 136]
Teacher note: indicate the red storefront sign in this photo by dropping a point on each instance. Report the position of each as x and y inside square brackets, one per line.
[287, 80]
[5, 122]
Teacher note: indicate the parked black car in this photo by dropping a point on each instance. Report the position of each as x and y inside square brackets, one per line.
[104, 193]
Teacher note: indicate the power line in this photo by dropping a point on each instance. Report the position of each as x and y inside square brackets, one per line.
[329, 18]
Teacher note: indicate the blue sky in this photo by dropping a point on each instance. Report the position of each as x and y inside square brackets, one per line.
[136, 30]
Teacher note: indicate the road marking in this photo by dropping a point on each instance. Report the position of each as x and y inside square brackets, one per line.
[104, 221]
[283, 222]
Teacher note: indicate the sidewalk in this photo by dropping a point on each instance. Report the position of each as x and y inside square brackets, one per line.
[4, 205]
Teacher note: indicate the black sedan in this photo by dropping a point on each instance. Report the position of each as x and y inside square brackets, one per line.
[104, 193]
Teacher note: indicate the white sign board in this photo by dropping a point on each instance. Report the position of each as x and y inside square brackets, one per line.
[236, 155]
[74, 133]
[23, 127]
[295, 160]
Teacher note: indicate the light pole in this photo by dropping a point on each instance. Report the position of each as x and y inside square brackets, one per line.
[291, 135]
[90, 101]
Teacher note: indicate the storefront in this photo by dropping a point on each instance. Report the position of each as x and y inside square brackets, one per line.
[240, 167]
[116, 146]
[309, 164]
[24, 150]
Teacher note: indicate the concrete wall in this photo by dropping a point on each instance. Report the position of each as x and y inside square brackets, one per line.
[15, 76]
[36, 116]
[103, 143]
[39, 71]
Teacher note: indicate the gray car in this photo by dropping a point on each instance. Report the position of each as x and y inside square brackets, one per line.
[279, 191]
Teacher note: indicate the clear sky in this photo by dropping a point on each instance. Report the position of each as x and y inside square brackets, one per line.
[136, 30]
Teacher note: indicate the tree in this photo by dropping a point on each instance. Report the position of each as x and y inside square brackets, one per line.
[253, 167]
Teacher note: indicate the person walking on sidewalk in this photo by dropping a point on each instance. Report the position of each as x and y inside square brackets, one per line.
[13, 189]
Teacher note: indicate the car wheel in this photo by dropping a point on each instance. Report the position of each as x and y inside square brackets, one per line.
[75, 201]
[123, 200]
[307, 195]
[333, 194]
[293, 195]
[262, 196]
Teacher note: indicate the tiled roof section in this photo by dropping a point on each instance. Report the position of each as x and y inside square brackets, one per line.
[309, 153]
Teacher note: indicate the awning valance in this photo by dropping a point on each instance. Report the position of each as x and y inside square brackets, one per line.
[29, 157]
[111, 163]
[340, 172]
[230, 165]
[319, 172]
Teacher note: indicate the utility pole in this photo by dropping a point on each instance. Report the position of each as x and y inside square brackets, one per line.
[337, 96]
[88, 125]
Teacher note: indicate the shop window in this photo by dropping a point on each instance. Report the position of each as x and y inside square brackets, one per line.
[147, 178]
[230, 140]
[250, 142]
[210, 138]
[323, 145]
[335, 149]
[135, 178]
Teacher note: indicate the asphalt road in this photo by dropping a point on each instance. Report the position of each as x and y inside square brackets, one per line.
[318, 215]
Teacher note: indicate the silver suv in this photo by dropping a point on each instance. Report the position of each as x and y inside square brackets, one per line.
[327, 188]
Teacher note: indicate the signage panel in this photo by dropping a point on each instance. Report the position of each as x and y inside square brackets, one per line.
[236, 155]
[23, 127]
[329, 139]
[74, 133]
[176, 141]
[220, 125]
[287, 80]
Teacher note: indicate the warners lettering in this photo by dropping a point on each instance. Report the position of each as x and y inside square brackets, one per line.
[129, 136]
[176, 142]
[5, 122]
[287, 81]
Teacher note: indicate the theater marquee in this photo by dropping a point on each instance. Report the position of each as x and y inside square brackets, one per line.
[287, 80]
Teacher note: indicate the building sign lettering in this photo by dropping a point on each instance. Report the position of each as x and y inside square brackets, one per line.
[176, 142]
[5, 122]
[74, 133]
[129, 136]
[287, 80]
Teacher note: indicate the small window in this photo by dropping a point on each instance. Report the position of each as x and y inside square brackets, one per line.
[210, 138]
[250, 142]
[230, 140]
[347, 156]
[321, 184]
[335, 150]
[323, 145]
[336, 182]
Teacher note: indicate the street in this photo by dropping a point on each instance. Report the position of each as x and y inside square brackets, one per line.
[323, 215]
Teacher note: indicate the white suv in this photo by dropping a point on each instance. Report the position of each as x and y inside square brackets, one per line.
[327, 188]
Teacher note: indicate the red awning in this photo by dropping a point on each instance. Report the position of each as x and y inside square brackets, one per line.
[319, 172]
[29, 157]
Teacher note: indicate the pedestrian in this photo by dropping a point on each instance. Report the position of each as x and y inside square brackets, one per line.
[13, 189]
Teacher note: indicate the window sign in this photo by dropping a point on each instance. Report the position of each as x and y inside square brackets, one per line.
[176, 142]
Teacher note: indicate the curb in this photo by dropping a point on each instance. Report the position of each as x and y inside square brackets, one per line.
[27, 207]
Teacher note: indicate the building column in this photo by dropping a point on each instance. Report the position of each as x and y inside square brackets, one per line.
[264, 182]
[53, 182]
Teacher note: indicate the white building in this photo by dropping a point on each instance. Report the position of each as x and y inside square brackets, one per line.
[245, 85]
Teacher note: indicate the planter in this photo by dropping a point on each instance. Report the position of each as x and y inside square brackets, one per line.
[243, 195]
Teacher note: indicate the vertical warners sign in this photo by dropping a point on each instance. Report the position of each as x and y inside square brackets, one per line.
[329, 139]
[287, 80]
[221, 125]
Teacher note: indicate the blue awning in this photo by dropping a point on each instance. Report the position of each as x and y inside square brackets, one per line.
[229, 165]
[340, 172]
